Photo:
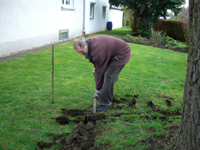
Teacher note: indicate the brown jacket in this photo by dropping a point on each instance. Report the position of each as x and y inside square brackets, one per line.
[107, 51]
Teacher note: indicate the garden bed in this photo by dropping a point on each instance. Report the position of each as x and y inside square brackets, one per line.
[89, 125]
[161, 44]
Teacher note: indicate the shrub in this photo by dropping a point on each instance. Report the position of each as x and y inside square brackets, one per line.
[145, 28]
[156, 36]
[182, 46]
[171, 28]
[171, 43]
[168, 39]
[128, 38]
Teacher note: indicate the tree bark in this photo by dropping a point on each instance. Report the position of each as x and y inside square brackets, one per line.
[135, 23]
[188, 134]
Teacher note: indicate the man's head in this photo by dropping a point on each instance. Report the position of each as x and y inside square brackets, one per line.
[81, 46]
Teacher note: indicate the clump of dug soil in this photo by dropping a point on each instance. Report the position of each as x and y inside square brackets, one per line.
[82, 137]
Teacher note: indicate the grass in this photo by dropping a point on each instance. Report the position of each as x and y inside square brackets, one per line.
[119, 33]
[25, 98]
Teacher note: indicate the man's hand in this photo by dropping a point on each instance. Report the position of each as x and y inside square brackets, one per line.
[93, 71]
[96, 94]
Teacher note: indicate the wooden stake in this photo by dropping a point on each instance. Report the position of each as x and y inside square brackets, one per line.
[95, 105]
[52, 73]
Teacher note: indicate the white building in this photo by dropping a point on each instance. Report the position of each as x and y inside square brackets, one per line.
[27, 24]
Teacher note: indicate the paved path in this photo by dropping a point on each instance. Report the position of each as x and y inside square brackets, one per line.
[27, 52]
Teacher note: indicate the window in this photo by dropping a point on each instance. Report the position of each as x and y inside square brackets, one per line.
[104, 12]
[92, 10]
[63, 34]
[67, 5]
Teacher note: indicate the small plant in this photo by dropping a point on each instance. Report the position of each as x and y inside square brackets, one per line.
[171, 43]
[140, 37]
[168, 39]
[156, 36]
[128, 38]
[181, 45]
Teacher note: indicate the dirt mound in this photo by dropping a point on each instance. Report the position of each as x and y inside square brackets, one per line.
[82, 137]
[73, 112]
[63, 120]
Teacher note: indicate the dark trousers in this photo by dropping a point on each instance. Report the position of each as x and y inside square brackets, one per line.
[107, 92]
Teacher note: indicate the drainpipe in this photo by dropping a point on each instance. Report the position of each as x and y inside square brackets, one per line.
[83, 17]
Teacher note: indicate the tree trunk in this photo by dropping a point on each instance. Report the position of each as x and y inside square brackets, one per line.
[188, 135]
[134, 23]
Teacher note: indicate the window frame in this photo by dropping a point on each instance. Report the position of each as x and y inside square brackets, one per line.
[69, 6]
[104, 12]
[92, 4]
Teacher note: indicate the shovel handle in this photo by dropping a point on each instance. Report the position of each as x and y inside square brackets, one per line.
[95, 105]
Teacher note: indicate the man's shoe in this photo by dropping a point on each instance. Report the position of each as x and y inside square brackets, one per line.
[102, 108]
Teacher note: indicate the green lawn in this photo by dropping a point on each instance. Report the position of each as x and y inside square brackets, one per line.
[25, 97]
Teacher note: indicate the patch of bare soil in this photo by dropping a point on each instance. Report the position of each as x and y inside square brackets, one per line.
[83, 136]
[73, 112]
[160, 45]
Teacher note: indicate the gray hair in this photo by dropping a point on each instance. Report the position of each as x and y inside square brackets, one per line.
[79, 42]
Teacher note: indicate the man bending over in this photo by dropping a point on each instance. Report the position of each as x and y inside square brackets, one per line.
[109, 55]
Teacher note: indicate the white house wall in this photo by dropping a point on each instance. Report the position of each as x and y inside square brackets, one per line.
[97, 23]
[116, 16]
[26, 24]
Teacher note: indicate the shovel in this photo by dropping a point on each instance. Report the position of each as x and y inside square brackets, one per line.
[95, 105]
[95, 101]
